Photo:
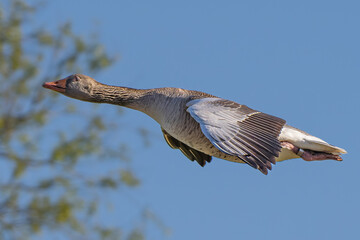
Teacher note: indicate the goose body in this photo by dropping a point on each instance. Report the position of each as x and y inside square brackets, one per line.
[203, 126]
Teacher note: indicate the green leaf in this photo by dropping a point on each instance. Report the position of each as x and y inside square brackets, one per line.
[92, 208]
[45, 184]
[136, 234]
[108, 182]
[20, 168]
[80, 45]
[35, 226]
[66, 29]
[45, 38]
[63, 211]
[98, 123]
[128, 178]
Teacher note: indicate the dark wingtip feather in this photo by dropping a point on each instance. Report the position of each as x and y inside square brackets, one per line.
[264, 168]
[201, 162]
[190, 153]
[268, 165]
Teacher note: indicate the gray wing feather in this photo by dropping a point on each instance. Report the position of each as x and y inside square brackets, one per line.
[239, 131]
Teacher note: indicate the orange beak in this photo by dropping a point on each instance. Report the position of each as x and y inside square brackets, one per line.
[58, 86]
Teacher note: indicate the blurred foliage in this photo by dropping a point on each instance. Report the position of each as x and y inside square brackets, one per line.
[43, 184]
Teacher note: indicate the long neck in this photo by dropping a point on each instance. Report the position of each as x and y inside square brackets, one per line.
[123, 96]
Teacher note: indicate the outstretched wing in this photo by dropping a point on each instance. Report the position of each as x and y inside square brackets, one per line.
[189, 152]
[239, 131]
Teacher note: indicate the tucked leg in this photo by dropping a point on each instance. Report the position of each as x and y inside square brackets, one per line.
[309, 155]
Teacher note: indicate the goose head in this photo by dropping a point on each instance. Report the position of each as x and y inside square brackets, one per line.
[77, 86]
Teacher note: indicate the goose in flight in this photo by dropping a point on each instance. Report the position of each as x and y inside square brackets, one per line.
[203, 126]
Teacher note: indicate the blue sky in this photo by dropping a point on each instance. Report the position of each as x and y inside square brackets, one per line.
[296, 60]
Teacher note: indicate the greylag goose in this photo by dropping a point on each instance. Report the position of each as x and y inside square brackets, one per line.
[203, 126]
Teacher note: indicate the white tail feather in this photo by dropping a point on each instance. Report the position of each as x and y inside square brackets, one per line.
[304, 140]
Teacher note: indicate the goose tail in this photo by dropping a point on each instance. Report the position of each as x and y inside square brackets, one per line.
[304, 140]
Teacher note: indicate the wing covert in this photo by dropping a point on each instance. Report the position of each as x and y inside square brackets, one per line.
[239, 130]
